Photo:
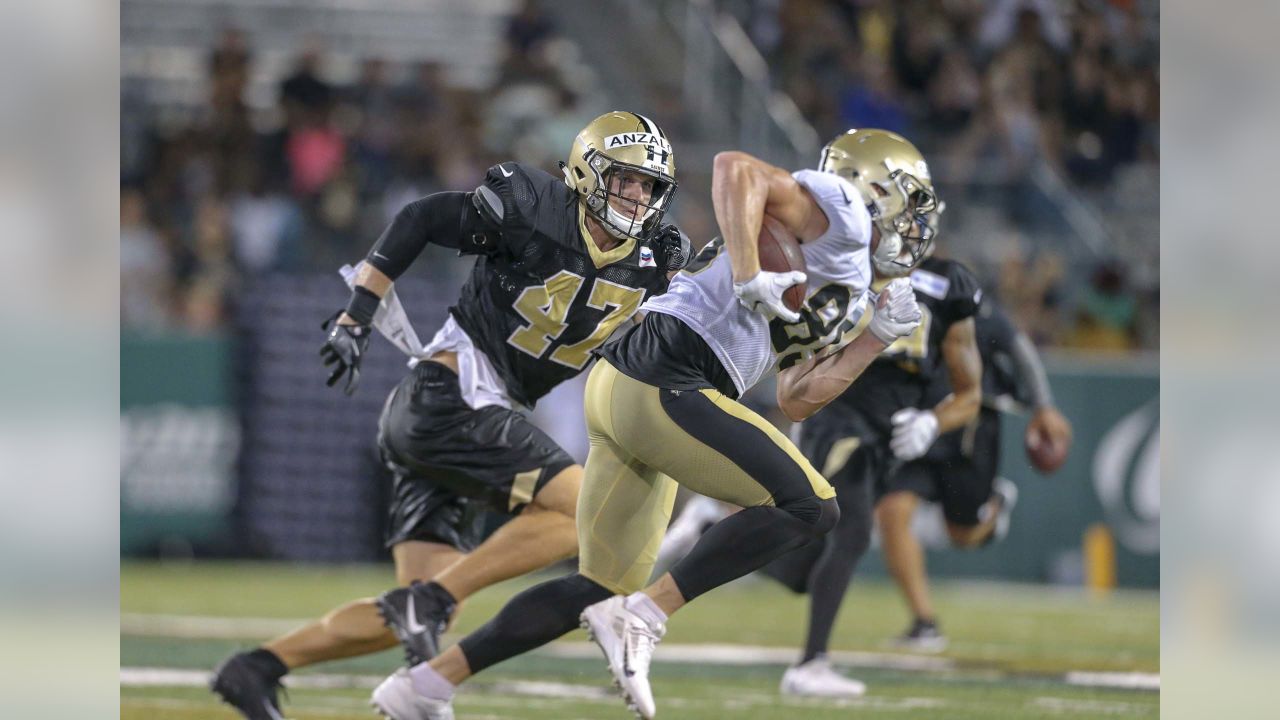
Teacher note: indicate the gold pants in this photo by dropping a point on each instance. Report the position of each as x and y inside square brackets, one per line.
[642, 437]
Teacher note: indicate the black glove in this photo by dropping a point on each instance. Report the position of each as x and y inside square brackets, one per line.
[671, 248]
[343, 349]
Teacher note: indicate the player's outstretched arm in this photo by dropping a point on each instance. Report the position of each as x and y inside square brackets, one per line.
[804, 388]
[448, 219]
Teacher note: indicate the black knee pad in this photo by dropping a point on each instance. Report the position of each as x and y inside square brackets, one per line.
[818, 516]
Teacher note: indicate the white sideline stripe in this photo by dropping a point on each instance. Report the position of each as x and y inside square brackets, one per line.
[224, 628]
[726, 654]
[1134, 680]
[1093, 707]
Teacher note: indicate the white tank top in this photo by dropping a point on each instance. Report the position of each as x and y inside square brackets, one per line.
[839, 269]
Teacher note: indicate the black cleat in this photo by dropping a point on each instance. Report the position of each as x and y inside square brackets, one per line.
[250, 682]
[922, 636]
[418, 615]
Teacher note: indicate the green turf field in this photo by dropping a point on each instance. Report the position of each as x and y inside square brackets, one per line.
[1011, 649]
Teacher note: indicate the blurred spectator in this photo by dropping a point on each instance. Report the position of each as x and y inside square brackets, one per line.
[1029, 20]
[266, 228]
[872, 100]
[1104, 320]
[305, 96]
[214, 274]
[146, 270]
[528, 28]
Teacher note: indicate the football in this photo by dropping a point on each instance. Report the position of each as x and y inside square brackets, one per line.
[1045, 454]
[779, 252]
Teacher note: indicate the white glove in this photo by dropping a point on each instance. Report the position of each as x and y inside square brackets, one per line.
[896, 314]
[914, 430]
[763, 293]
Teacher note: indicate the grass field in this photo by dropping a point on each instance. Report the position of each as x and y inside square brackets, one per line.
[1012, 650]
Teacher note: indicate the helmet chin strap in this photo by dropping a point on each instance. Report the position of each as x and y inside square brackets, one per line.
[614, 221]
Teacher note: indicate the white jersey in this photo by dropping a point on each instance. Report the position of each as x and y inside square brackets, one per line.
[839, 274]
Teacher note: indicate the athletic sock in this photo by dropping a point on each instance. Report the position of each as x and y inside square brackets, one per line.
[429, 683]
[644, 606]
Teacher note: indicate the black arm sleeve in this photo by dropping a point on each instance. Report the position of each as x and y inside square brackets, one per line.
[1030, 371]
[445, 218]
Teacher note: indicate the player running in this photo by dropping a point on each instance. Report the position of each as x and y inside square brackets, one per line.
[661, 409]
[560, 263]
[959, 471]
[861, 442]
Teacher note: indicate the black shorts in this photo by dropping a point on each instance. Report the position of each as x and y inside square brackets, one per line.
[452, 462]
[958, 470]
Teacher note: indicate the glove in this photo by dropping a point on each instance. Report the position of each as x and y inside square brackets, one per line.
[672, 249]
[343, 349]
[763, 293]
[896, 314]
[914, 430]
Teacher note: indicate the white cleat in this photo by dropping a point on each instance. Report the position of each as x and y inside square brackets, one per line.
[628, 642]
[1008, 493]
[396, 699]
[817, 678]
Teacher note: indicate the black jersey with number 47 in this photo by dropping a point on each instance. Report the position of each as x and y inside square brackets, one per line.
[947, 292]
[541, 296]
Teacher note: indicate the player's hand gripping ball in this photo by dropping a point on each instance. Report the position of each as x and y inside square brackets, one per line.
[1048, 439]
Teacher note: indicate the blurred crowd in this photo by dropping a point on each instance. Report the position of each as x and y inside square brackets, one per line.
[229, 191]
[994, 92]
[1072, 82]
[213, 197]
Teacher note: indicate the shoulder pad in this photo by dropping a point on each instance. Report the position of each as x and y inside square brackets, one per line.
[519, 186]
[488, 204]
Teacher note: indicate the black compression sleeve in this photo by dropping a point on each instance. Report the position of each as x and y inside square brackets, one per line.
[1030, 371]
[435, 218]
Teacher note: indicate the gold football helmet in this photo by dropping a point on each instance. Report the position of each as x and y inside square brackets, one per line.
[620, 142]
[894, 181]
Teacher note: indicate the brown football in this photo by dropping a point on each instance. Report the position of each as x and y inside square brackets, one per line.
[779, 252]
[1046, 455]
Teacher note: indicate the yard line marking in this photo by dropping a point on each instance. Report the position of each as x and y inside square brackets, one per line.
[1134, 680]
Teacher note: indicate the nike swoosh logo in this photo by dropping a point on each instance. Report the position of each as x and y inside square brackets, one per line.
[380, 255]
[415, 627]
[847, 201]
[504, 172]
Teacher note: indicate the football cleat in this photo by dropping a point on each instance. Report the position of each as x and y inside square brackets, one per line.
[922, 636]
[817, 678]
[249, 682]
[396, 699]
[1007, 492]
[699, 514]
[418, 615]
[628, 643]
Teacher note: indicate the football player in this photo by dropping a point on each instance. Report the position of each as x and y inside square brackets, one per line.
[661, 408]
[560, 263]
[959, 470]
[862, 440]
